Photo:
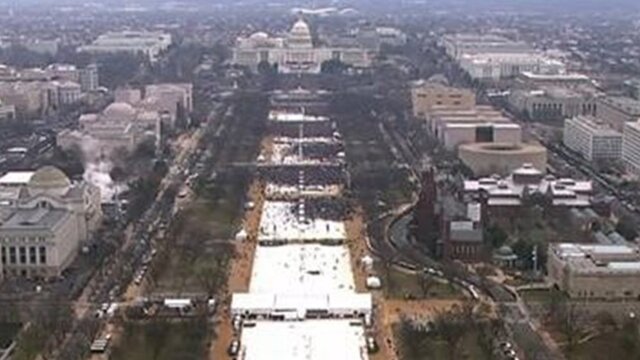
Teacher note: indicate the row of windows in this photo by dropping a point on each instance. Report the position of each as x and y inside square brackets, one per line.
[23, 255]
[23, 239]
[607, 294]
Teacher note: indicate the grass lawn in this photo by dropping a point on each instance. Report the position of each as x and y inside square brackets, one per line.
[8, 332]
[538, 296]
[162, 340]
[220, 220]
[604, 347]
[400, 285]
[535, 295]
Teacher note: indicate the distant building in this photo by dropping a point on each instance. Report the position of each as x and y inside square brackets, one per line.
[486, 159]
[426, 96]
[454, 134]
[88, 78]
[149, 44]
[478, 124]
[492, 57]
[597, 272]
[44, 219]
[427, 214]
[68, 92]
[552, 103]
[464, 239]
[373, 37]
[527, 181]
[617, 111]
[501, 66]
[631, 147]
[633, 88]
[120, 125]
[45, 47]
[163, 98]
[568, 80]
[30, 98]
[295, 52]
[592, 138]
[438, 116]
[166, 97]
[7, 113]
[63, 72]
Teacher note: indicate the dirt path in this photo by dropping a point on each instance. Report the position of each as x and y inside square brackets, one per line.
[357, 249]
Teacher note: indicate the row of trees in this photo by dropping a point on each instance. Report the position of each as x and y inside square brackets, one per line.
[445, 335]
[47, 322]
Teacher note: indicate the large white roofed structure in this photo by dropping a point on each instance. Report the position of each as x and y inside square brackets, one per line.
[301, 269]
[307, 340]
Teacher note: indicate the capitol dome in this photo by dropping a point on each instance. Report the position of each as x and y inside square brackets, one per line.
[49, 177]
[120, 111]
[259, 35]
[300, 35]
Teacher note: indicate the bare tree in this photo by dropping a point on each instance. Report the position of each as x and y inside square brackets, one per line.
[570, 323]
[426, 283]
[451, 327]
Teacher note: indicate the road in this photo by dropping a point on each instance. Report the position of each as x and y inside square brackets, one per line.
[405, 253]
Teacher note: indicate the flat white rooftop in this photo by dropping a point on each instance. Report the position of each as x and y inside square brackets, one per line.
[16, 178]
[305, 340]
[280, 223]
[301, 269]
[581, 250]
[297, 307]
[295, 117]
[275, 190]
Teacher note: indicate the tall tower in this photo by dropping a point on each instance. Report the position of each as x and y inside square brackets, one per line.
[426, 218]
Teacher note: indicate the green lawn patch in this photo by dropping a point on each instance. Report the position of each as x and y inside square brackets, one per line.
[8, 333]
[162, 340]
[401, 285]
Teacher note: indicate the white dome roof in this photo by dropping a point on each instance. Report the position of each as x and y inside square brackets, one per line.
[120, 110]
[259, 35]
[300, 28]
[300, 35]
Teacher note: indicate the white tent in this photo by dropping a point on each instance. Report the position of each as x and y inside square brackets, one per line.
[373, 282]
[367, 262]
[241, 235]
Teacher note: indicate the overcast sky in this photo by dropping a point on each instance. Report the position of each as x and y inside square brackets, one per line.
[566, 5]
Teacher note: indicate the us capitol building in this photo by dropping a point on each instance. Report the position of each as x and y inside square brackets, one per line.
[295, 53]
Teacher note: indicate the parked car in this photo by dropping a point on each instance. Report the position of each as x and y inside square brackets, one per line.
[372, 345]
[234, 348]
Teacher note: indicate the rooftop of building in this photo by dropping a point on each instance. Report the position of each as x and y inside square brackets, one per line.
[308, 340]
[527, 179]
[41, 218]
[14, 178]
[284, 116]
[503, 148]
[301, 269]
[554, 77]
[465, 231]
[529, 57]
[603, 259]
[625, 104]
[481, 123]
[595, 125]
